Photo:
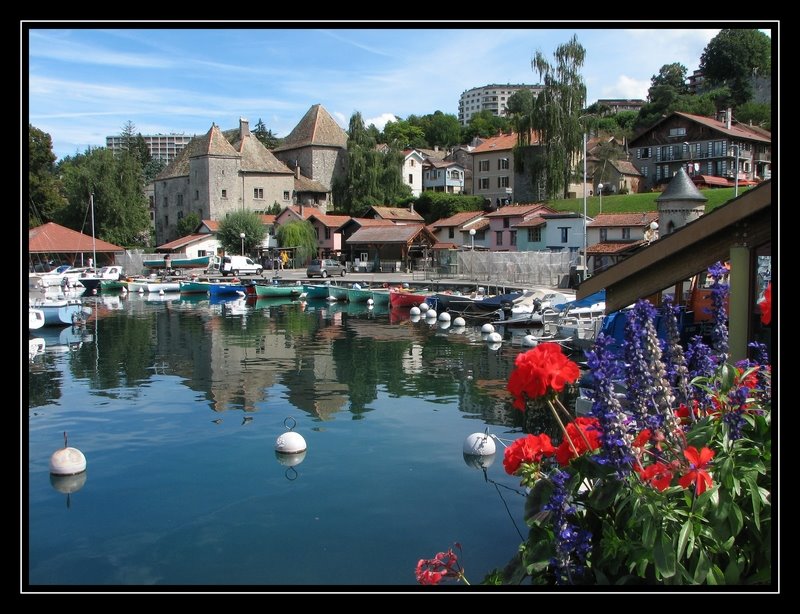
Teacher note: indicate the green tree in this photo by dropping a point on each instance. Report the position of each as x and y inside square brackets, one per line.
[152, 169]
[442, 129]
[440, 205]
[45, 192]
[401, 135]
[187, 225]
[484, 124]
[267, 138]
[733, 57]
[274, 209]
[756, 113]
[299, 234]
[556, 113]
[673, 76]
[520, 111]
[605, 153]
[120, 207]
[237, 222]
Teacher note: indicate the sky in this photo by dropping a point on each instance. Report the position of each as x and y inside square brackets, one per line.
[86, 81]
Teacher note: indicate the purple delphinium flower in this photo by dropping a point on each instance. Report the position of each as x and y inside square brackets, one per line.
[674, 359]
[764, 388]
[615, 440]
[650, 394]
[700, 364]
[734, 414]
[572, 543]
[719, 292]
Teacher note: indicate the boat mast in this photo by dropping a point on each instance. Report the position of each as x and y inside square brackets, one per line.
[94, 243]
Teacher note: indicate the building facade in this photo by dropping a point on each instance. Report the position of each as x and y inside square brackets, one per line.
[503, 225]
[412, 170]
[165, 147]
[443, 177]
[493, 98]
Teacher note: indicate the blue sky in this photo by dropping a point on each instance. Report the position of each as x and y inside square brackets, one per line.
[85, 84]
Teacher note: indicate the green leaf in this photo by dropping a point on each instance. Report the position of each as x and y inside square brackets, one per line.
[715, 575]
[735, 519]
[727, 375]
[732, 572]
[604, 494]
[755, 497]
[664, 557]
[690, 544]
[648, 533]
[540, 494]
[701, 569]
[683, 537]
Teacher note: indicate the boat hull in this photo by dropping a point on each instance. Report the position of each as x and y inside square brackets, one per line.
[272, 291]
[398, 298]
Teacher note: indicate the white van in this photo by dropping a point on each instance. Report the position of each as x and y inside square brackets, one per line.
[239, 265]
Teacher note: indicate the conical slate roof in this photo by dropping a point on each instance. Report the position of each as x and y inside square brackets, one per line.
[316, 128]
[680, 187]
[257, 158]
[212, 143]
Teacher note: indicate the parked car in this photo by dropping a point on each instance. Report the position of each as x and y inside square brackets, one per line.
[324, 268]
[239, 265]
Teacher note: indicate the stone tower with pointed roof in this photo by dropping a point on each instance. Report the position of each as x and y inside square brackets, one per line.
[679, 204]
[211, 177]
[318, 145]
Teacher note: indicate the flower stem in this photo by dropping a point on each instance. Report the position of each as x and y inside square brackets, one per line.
[564, 429]
[583, 435]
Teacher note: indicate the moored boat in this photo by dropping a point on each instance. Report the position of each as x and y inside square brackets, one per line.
[316, 290]
[272, 290]
[153, 285]
[58, 312]
[337, 293]
[380, 297]
[168, 262]
[35, 318]
[400, 297]
[93, 281]
[358, 294]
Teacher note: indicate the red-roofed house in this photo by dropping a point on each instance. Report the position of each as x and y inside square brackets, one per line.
[608, 234]
[329, 239]
[493, 169]
[51, 241]
[294, 213]
[398, 215]
[503, 222]
[412, 170]
[703, 146]
[455, 229]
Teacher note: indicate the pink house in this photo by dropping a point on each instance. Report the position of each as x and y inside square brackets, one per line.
[329, 240]
[502, 231]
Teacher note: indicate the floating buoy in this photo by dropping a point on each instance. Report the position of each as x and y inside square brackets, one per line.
[291, 442]
[479, 444]
[415, 318]
[290, 460]
[444, 316]
[94, 291]
[430, 314]
[331, 299]
[479, 462]
[530, 341]
[161, 292]
[487, 328]
[141, 290]
[423, 307]
[494, 338]
[67, 461]
[494, 346]
[370, 302]
[68, 484]
[444, 324]
[414, 311]
[124, 290]
[459, 322]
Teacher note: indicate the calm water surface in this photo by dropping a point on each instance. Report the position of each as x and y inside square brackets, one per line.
[177, 404]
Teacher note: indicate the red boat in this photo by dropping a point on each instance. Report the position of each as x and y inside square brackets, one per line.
[399, 297]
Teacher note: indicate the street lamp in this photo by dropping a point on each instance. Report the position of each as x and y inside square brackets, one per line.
[241, 236]
[600, 189]
[736, 174]
[585, 238]
[472, 238]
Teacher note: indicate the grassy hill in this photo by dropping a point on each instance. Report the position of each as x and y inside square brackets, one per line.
[634, 203]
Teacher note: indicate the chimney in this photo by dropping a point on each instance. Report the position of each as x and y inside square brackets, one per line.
[296, 170]
[244, 128]
[728, 118]
[411, 207]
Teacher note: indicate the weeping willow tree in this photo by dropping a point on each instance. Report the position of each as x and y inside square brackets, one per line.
[555, 114]
[301, 235]
[373, 177]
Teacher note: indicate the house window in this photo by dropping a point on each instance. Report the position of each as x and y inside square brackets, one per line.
[224, 193]
[197, 194]
[166, 202]
[410, 179]
[502, 182]
[506, 222]
[535, 234]
[564, 233]
[483, 183]
[480, 235]
[626, 233]
[327, 233]
[286, 195]
[201, 253]
[603, 235]
[166, 220]
[412, 162]
[483, 165]
[677, 131]
[451, 232]
[180, 215]
[179, 200]
[455, 175]
[512, 237]
[258, 193]
[502, 164]
[644, 170]
[644, 152]
[499, 237]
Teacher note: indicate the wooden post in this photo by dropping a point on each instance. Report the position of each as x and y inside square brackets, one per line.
[739, 302]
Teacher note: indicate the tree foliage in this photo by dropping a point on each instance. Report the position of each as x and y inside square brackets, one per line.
[120, 207]
[401, 134]
[237, 222]
[45, 192]
[188, 224]
[671, 75]
[733, 57]
[266, 136]
[299, 234]
[373, 177]
[756, 113]
[556, 113]
[441, 129]
[440, 205]
[484, 124]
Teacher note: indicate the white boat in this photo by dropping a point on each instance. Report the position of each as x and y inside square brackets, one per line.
[35, 347]
[153, 285]
[66, 338]
[35, 318]
[58, 312]
[63, 276]
[580, 321]
[91, 281]
[536, 308]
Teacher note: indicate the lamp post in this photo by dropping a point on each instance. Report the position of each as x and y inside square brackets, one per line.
[600, 189]
[472, 250]
[736, 174]
[242, 236]
[585, 238]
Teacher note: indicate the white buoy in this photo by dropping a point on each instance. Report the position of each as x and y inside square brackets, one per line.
[479, 444]
[479, 462]
[331, 299]
[494, 338]
[68, 484]
[67, 461]
[444, 316]
[415, 318]
[124, 290]
[291, 442]
[443, 324]
[94, 291]
[414, 311]
[487, 328]
[370, 302]
[530, 341]
[141, 290]
[423, 307]
[161, 292]
[430, 314]
[494, 346]
[459, 322]
[290, 460]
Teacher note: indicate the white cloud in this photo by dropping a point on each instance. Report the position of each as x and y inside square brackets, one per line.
[627, 87]
[381, 120]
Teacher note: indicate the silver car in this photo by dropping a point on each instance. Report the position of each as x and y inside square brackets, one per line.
[324, 268]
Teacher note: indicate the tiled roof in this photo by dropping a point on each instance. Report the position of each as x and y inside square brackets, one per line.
[711, 180]
[183, 241]
[503, 142]
[316, 128]
[55, 239]
[739, 131]
[536, 220]
[680, 187]
[304, 184]
[267, 218]
[308, 211]
[625, 167]
[397, 213]
[331, 221]
[368, 221]
[212, 225]
[457, 219]
[257, 158]
[212, 143]
[614, 247]
[445, 245]
[396, 233]
[608, 220]
[516, 210]
[432, 154]
[479, 225]
[442, 163]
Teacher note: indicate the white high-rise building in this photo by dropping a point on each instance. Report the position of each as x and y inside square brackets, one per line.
[162, 146]
[492, 98]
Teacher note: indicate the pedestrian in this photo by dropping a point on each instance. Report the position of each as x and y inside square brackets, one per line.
[284, 259]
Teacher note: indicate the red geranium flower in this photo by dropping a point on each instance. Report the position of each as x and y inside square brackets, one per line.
[590, 428]
[642, 438]
[539, 371]
[766, 306]
[697, 474]
[657, 475]
[443, 565]
[528, 449]
[682, 413]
